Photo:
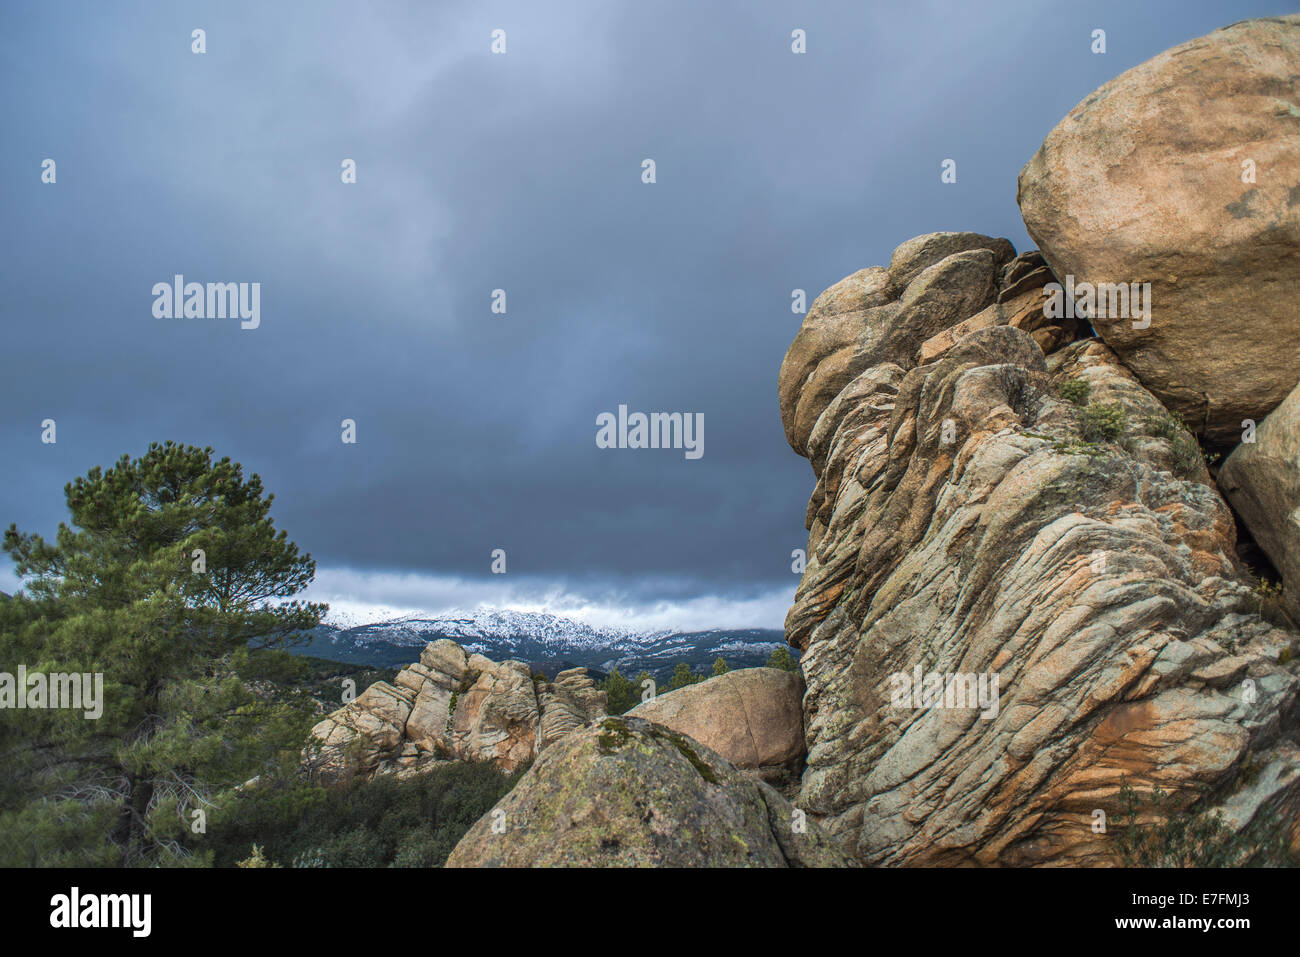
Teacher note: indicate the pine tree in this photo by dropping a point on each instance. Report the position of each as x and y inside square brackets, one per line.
[781, 659]
[170, 570]
[683, 676]
[621, 693]
[720, 666]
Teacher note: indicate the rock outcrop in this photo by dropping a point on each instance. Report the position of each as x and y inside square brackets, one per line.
[452, 706]
[752, 717]
[624, 792]
[949, 276]
[1062, 573]
[1184, 173]
[1262, 481]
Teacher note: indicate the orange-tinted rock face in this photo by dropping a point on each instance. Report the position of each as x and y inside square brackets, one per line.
[1010, 608]
[453, 706]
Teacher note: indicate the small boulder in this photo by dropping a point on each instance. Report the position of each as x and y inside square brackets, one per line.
[752, 717]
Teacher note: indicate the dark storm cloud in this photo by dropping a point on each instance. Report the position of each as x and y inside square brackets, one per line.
[478, 172]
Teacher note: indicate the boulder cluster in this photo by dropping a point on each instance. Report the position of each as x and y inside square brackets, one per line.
[452, 706]
[1032, 590]
[1003, 498]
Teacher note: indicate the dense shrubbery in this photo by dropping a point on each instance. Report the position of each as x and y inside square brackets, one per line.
[380, 823]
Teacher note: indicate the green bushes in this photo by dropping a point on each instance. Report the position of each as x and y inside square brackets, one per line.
[1189, 839]
[1075, 391]
[1103, 421]
[683, 676]
[379, 823]
[1182, 444]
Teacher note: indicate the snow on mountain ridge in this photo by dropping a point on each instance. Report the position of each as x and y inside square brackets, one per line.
[539, 638]
[494, 625]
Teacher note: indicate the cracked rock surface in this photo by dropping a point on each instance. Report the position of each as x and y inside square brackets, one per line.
[968, 520]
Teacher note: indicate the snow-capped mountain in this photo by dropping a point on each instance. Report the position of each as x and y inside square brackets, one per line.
[548, 642]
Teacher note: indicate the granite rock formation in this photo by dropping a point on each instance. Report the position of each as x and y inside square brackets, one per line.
[452, 706]
[969, 524]
[1184, 173]
[623, 792]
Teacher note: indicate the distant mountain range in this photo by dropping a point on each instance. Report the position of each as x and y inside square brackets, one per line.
[549, 643]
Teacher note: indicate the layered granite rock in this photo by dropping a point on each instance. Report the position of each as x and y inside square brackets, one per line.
[624, 792]
[1062, 573]
[1184, 173]
[452, 706]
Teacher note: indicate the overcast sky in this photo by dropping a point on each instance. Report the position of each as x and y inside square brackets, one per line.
[479, 171]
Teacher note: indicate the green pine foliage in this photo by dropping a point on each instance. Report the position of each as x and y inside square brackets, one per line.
[683, 676]
[1103, 421]
[169, 569]
[782, 659]
[623, 693]
[1075, 391]
[384, 822]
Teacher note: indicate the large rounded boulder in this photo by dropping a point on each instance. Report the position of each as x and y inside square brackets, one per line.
[622, 792]
[752, 717]
[1184, 173]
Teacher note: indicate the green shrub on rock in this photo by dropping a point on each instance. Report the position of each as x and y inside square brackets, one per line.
[1075, 391]
[1103, 421]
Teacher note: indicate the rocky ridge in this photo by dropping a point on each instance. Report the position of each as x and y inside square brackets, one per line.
[968, 519]
[452, 705]
[1004, 506]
